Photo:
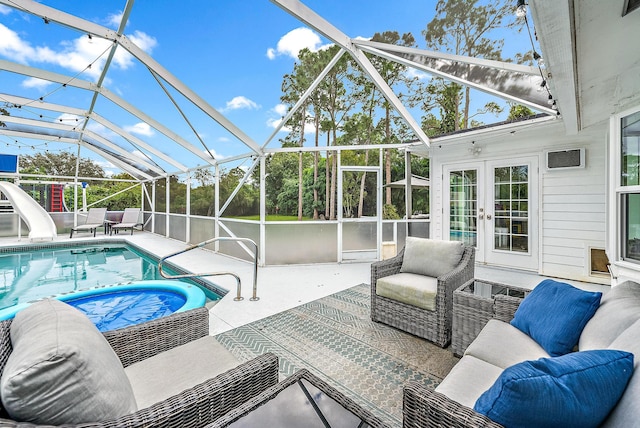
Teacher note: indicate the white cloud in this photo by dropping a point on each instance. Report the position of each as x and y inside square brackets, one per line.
[70, 119]
[412, 72]
[281, 109]
[274, 123]
[215, 155]
[140, 128]
[139, 154]
[76, 54]
[101, 130]
[13, 47]
[294, 41]
[124, 59]
[34, 82]
[107, 166]
[5, 10]
[240, 102]
[114, 19]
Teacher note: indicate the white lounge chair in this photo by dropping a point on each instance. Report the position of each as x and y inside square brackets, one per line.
[130, 219]
[95, 219]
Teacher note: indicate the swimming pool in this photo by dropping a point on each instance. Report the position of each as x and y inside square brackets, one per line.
[47, 270]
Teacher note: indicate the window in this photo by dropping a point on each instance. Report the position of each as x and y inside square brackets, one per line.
[631, 226]
[629, 188]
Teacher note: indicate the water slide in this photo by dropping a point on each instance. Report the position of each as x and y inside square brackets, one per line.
[40, 224]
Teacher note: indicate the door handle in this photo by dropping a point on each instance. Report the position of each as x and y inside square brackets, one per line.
[481, 216]
[488, 216]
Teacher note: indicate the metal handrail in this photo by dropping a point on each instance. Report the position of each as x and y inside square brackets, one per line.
[196, 275]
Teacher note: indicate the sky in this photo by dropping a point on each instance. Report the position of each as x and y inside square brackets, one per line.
[232, 53]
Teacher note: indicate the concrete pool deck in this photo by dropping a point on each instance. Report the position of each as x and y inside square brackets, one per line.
[279, 288]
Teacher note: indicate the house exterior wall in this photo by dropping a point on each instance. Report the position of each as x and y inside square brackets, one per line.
[571, 202]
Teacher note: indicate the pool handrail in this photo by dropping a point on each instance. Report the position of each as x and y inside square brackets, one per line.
[197, 275]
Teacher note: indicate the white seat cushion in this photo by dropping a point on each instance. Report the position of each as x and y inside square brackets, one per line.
[409, 288]
[468, 380]
[502, 345]
[171, 372]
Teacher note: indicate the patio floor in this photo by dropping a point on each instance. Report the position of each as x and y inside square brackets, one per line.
[334, 338]
[317, 317]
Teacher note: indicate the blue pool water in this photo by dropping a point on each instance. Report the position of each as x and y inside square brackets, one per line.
[31, 275]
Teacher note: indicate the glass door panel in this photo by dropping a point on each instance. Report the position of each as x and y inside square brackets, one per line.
[511, 208]
[463, 202]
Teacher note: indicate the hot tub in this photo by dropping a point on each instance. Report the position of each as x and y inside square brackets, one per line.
[118, 306]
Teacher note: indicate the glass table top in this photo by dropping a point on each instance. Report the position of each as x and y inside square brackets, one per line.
[301, 404]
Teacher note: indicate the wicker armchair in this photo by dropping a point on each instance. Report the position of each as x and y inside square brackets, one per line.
[435, 326]
[424, 408]
[194, 407]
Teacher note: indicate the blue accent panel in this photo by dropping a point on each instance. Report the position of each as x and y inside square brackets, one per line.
[8, 163]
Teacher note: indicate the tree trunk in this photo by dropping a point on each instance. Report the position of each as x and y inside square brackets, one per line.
[465, 123]
[334, 173]
[300, 168]
[300, 186]
[387, 164]
[456, 116]
[327, 175]
[315, 171]
[362, 185]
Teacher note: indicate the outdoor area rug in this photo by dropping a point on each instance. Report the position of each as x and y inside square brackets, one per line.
[335, 339]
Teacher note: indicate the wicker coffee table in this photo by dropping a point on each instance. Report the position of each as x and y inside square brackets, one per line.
[473, 306]
[301, 400]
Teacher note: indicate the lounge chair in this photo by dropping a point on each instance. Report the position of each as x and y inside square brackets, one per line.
[95, 219]
[130, 219]
[180, 375]
[413, 291]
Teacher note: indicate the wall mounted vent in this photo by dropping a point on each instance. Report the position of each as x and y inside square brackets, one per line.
[564, 159]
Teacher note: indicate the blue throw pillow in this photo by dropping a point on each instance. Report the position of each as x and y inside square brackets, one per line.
[574, 390]
[554, 314]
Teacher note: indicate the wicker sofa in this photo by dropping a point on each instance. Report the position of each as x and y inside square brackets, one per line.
[150, 342]
[615, 326]
[433, 324]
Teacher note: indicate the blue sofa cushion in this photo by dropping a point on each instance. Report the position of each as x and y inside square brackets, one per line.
[574, 390]
[554, 314]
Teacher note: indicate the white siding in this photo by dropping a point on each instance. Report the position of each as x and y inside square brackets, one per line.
[572, 202]
[573, 214]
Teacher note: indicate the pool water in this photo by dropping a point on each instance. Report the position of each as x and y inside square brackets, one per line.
[32, 275]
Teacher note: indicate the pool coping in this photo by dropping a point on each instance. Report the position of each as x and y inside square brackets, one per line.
[20, 248]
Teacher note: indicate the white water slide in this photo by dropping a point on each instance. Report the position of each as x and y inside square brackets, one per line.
[39, 222]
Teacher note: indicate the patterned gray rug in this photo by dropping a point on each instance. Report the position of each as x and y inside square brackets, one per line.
[335, 339]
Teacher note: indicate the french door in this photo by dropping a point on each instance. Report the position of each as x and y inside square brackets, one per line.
[493, 205]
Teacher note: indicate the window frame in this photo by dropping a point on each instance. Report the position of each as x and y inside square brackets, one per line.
[618, 238]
